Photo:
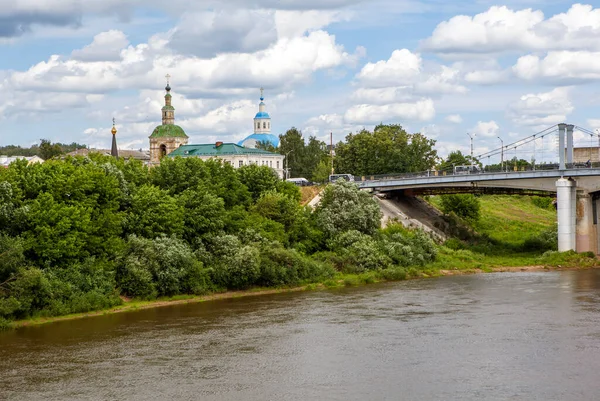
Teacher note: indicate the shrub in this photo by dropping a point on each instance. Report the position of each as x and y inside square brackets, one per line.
[164, 266]
[280, 266]
[466, 206]
[344, 207]
[543, 202]
[394, 274]
[358, 252]
[232, 264]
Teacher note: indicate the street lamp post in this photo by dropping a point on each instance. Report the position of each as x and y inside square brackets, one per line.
[501, 154]
[470, 136]
[287, 170]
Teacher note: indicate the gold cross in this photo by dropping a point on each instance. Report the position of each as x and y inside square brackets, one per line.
[113, 121]
[168, 77]
[261, 92]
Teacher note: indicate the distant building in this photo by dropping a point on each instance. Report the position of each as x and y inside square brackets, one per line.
[170, 140]
[125, 154]
[6, 160]
[233, 154]
[166, 137]
[585, 154]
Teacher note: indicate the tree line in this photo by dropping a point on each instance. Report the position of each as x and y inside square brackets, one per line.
[81, 233]
[45, 149]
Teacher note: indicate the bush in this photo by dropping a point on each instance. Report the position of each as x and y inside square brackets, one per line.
[543, 202]
[547, 240]
[232, 264]
[394, 274]
[358, 253]
[164, 266]
[280, 266]
[344, 207]
[466, 206]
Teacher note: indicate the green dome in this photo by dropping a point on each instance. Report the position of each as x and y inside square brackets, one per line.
[168, 131]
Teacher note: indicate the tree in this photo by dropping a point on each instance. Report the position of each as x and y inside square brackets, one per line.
[302, 158]
[258, 179]
[466, 206]
[322, 171]
[388, 149]
[456, 158]
[344, 207]
[154, 212]
[47, 150]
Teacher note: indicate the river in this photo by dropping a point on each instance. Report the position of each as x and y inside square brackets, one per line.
[503, 336]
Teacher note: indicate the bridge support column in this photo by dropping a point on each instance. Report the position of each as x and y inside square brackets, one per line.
[587, 236]
[570, 144]
[561, 146]
[566, 201]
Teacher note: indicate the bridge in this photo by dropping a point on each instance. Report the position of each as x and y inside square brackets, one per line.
[575, 184]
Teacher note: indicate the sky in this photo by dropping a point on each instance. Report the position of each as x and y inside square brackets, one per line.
[502, 68]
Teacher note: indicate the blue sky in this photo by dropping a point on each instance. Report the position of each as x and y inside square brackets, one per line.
[492, 69]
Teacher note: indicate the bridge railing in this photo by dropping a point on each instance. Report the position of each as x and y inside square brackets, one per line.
[478, 171]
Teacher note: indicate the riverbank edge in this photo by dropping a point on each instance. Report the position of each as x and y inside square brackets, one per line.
[343, 281]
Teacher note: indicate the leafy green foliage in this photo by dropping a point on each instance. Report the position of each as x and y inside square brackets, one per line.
[388, 149]
[78, 234]
[302, 158]
[465, 206]
[344, 207]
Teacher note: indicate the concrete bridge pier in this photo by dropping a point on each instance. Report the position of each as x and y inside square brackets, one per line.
[566, 201]
[586, 223]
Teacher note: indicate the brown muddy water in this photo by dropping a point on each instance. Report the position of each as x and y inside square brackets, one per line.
[503, 336]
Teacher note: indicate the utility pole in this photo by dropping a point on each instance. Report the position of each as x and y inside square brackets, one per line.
[501, 154]
[331, 150]
[287, 170]
[470, 136]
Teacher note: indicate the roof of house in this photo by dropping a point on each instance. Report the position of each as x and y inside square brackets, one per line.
[168, 130]
[223, 149]
[6, 160]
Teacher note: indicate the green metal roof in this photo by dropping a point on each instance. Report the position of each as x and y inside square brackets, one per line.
[168, 131]
[211, 149]
[168, 108]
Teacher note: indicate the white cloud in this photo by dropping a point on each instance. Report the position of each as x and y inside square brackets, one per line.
[486, 129]
[454, 118]
[297, 23]
[421, 110]
[501, 29]
[541, 109]
[404, 71]
[208, 33]
[560, 66]
[594, 123]
[106, 46]
[289, 61]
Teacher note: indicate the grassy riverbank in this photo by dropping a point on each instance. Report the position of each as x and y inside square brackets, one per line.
[567, 261]
[506, 224]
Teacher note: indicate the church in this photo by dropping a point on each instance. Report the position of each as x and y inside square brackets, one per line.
[170, 140]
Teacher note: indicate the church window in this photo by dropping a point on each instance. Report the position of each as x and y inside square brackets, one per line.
[278, 164]
[163, 151]
[271, 163]
[265, 125]
[257, 125]
[241, 163]
[269, 125]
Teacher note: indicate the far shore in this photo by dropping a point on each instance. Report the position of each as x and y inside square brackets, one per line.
[136, 305]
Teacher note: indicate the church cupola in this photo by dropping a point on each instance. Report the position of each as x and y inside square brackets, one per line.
[114, 150]
[168, 111]
[262, 120]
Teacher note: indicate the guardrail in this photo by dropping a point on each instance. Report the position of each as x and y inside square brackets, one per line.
[484, 170]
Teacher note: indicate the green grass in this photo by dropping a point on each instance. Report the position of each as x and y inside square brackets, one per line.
[505, 224]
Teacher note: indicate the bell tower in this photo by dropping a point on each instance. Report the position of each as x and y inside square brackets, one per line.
[262, 120]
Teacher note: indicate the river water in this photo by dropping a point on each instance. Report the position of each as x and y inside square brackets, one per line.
[505, 336]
